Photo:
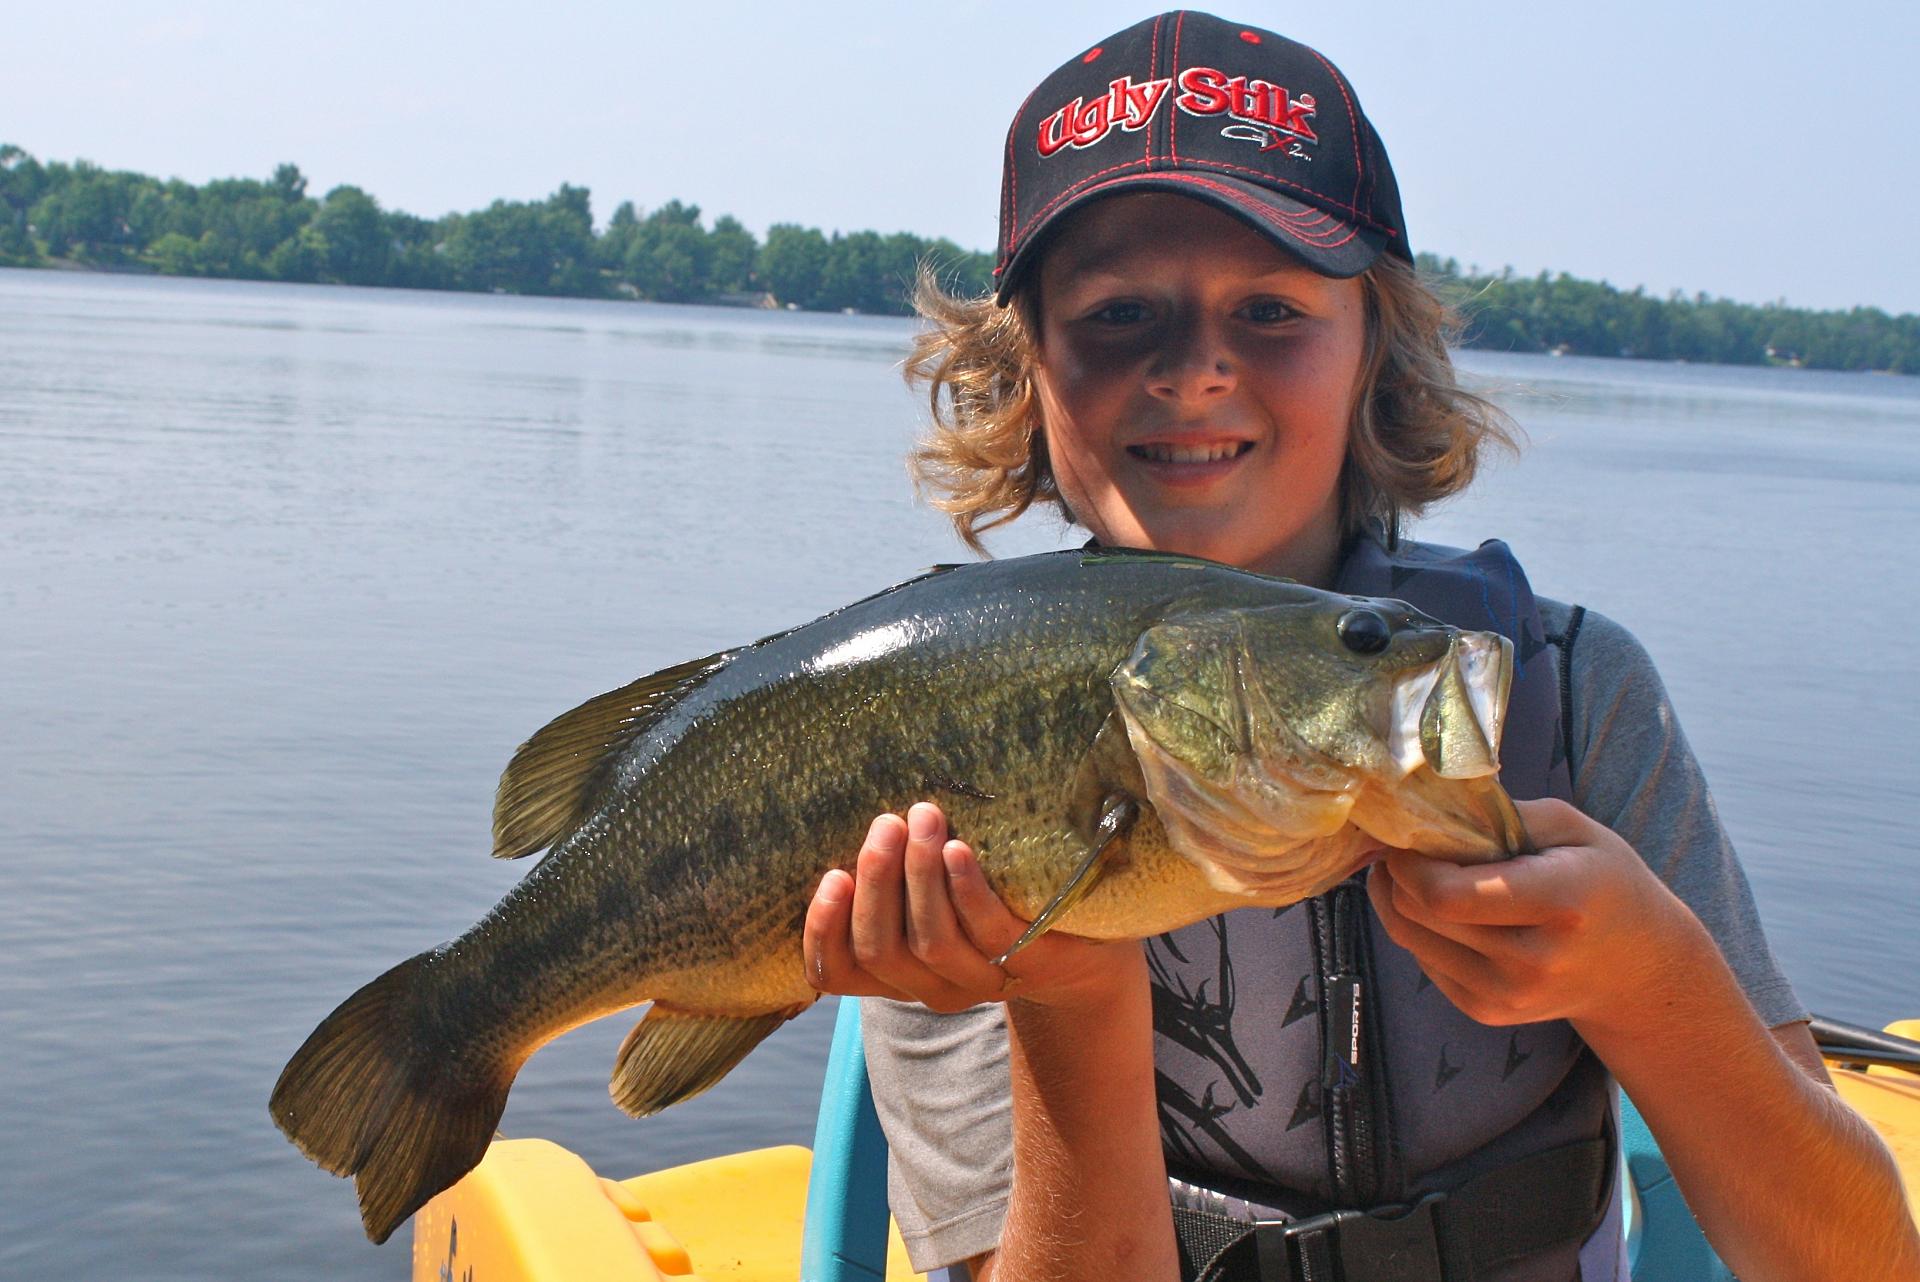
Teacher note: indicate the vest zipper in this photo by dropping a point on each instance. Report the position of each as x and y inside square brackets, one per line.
[1352, 1080]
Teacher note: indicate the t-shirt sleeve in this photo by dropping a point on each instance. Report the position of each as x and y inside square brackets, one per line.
[1634, 772]
[940, 1085]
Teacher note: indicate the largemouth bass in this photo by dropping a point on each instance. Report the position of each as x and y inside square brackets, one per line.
[1129, 741]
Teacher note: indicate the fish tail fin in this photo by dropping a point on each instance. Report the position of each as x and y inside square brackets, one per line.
[368, 1096]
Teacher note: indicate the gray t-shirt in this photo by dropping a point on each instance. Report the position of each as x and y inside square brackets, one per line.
[940, 1081]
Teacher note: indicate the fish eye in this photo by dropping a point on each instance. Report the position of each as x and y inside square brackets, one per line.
[1364, 631]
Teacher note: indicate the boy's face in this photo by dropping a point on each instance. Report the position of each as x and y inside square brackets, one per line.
[1197, 385]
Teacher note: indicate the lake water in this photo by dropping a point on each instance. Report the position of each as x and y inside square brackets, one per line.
[287, 572]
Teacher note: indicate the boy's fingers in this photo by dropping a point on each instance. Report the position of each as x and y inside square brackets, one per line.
[879, 926]
[990, 927]
[1551, 822]
[878, 886]
[826, 946]
[902, 938]
[1514, 892]
[1438, 955]
[934, 932]
[931, 928]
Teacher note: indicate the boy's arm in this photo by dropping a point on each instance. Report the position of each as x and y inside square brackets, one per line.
[1786, 1180]
[918, 922]
[1089, 1196]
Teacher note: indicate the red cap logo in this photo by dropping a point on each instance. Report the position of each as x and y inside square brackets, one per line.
[1258, 110]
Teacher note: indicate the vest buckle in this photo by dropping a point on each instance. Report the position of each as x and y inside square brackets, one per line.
[1385, 1244]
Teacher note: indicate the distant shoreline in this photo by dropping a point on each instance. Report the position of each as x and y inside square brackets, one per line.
[77, 216]
[68, 267]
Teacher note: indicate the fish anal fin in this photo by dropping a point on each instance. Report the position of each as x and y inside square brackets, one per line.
[673, 1054]
[550, 783]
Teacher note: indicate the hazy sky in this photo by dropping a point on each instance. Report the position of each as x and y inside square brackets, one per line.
[1757, 150]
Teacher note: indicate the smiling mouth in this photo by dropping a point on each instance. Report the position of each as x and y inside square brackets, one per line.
[1155, 452]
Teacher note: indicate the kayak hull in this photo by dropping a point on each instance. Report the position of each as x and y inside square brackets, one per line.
[534, 1212]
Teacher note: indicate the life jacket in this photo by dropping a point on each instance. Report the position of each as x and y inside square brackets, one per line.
[1307, 1068]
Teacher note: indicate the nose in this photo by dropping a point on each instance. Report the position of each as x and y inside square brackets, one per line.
[1194, 361]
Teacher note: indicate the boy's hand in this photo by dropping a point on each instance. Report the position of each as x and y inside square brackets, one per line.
[1582, 931]
[917, 921]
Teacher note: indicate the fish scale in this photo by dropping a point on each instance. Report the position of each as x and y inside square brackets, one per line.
[1238, 744]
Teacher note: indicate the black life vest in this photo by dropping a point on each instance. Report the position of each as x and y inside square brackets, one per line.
[1306, 1065]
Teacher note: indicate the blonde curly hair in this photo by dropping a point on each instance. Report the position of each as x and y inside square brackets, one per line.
[1416, 435]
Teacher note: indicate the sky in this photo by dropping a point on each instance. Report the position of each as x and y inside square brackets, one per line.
[1755, 150]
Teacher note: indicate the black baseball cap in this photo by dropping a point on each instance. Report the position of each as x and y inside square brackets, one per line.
[1244, 119]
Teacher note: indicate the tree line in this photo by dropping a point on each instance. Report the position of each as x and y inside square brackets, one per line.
[272, 229]
[1559, 313]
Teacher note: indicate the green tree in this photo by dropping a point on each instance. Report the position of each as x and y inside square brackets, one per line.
[611, 249]
[16, 246]
[730, 267]
[86, 215]
[175, 254]
[302, 256]
[352, 236]
[242, 221]
[525, 248]
[568, 214]
[668, 261]
[851, 276]
[289, 183]
[669, 256]
[417, 259]
[22, 180]
[792, 263]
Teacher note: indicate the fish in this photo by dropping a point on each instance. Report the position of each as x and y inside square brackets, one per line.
[1129, 741]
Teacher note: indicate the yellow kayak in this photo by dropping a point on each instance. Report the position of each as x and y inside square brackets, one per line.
[534, 1212]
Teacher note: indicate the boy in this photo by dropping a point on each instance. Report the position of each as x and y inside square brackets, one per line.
[1211, 341]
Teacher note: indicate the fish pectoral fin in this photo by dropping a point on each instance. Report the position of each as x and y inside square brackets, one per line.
[1102, 803]
[674, 1054]
[552, 780]
[1109, 768]
[1116, 818]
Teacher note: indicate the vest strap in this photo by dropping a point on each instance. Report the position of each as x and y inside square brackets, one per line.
[1506, 1214]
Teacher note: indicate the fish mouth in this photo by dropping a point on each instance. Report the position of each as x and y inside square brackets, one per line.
[1443, 736]
[1451, 714]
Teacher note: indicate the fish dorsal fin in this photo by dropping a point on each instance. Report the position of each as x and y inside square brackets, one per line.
[549, 785]
[547, 788]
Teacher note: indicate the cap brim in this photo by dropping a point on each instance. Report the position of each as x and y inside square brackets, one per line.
[1323, 242]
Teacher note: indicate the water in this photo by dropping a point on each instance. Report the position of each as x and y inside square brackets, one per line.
[287, 572]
